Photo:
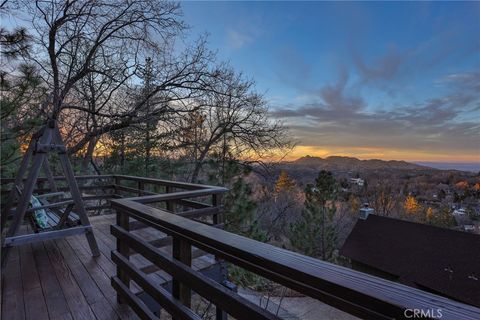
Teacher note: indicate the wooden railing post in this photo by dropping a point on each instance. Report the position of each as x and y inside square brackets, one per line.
[217, 201]
[218, 218]
[170, 204]
[182, 251]
[122, 248]
[116, 183]
[141, 188]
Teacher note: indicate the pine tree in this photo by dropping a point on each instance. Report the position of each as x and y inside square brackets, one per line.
[314, 234]
[23, 86]
[239, 207]
[23, 92]
[442, 218]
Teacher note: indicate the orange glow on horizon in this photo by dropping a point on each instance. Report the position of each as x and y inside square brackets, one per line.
[363, 153]
[368, 152]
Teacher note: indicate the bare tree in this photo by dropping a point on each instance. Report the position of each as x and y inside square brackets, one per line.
[71, 36]
[178, 79]
[78, 42]
[234, 118]
[383, 197]
[91, 55]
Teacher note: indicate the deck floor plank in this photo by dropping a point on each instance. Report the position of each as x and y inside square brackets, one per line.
[34, 301]
[54, 298]
[101, 278]
[90, 290]
[104, 311]
[59, 279]
[12, 294]
[73, 294]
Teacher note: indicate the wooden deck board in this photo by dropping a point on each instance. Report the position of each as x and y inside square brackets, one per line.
[52, 292]
[35, 306]
[101, 278]
[73, 294]
[12, 294]
[59, 279]
[90, 290]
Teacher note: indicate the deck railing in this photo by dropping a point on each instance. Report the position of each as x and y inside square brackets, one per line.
[107, 187]
[144, 202]
[354, 292]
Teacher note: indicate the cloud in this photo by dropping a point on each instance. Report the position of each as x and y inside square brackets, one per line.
[385, 67]
[243, 32]
[328, 104]
[447, 124]
[467, 80]
[237, 39]
[397, 67]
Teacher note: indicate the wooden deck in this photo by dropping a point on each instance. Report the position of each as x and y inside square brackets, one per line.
[59, 279]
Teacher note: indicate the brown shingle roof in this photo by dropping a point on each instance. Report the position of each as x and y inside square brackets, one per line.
[442, 260]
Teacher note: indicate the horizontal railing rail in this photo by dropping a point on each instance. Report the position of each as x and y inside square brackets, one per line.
[354, 292]
[59, 178]
[115, 186]
[119, 178]
[162, 182]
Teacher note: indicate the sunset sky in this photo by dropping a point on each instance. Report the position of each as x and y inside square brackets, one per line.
[370, 80]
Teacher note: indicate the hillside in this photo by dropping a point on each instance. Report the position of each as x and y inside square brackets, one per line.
[337, 163]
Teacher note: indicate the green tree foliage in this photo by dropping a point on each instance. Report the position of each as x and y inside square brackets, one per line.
[314, 233]
[240, 207]
[22, 92]
[14, 43]
[240, 213]
[472, 214]
[442, 218]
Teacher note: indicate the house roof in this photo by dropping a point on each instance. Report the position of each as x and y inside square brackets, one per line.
[442, 260]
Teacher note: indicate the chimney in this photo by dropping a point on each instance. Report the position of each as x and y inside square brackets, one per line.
[365, 211]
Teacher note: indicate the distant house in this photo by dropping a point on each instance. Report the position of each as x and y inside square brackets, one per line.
[459, 212]
[438, 260]
[358, 181]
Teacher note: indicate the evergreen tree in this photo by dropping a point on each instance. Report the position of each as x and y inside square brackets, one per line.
[240, 210]
[314, 234]
[442, 218]
[15, 43]
[22, 93]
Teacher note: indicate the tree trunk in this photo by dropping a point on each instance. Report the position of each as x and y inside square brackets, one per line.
[88, 156]
[148, 150]
[122, 151]
[198, 164]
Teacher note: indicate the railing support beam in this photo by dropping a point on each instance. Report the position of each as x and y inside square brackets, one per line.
[182, 251]
[216, 219]
[123, 249]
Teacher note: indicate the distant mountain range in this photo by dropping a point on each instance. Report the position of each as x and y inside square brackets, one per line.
[462, 166]
[335, 163]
